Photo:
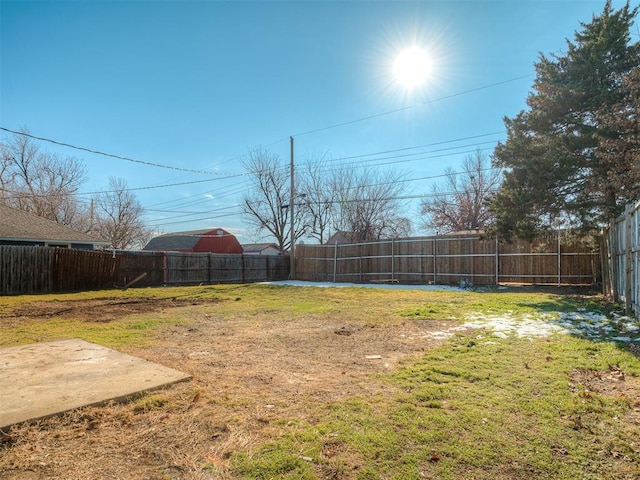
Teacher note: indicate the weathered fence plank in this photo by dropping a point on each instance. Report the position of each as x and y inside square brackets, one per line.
[441, 260]
[450, 260]
[25, 270]
[44, 270]
[621, 265]
[134, 264]
[173, 268]
[75, 270]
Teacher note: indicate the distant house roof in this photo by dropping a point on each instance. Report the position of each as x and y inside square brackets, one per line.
[216, 240]
[341, 237]
[258, 248]
[478, 231]
[18, 226]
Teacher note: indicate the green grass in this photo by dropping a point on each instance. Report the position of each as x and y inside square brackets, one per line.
[499, 410]
[475, 408]
[134, 330]
[472, 409]
[455, 306]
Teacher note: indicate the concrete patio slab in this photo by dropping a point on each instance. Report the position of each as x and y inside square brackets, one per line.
[45, 379]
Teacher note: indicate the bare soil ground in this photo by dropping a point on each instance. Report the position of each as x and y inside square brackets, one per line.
[252, 377]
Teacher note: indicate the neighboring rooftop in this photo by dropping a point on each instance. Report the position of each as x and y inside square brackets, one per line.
[20, 226]
[272, 248]
[341, 237]
[213, 240]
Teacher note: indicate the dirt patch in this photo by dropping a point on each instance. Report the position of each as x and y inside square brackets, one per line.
[102, 310]
[613, 383]
[253, 378]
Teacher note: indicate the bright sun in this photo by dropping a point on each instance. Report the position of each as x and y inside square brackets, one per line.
[412, 67]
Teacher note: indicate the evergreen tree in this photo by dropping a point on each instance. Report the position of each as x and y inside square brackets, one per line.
[619, 139]
[561, 157]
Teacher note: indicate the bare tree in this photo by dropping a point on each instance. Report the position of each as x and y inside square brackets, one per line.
[459, 202]
[364, 202]
[316, 199]
[41, 182]
[266, 205]
[369, 204]
[119, 217]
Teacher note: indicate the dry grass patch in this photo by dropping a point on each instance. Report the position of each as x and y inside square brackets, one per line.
[260, 357]
[292, 383]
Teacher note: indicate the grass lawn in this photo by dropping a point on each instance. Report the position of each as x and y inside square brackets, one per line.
[395, 388]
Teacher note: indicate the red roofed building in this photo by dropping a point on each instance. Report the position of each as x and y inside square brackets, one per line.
[216, 240]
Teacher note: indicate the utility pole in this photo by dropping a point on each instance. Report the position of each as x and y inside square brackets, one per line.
[292, 263]
[91, 212]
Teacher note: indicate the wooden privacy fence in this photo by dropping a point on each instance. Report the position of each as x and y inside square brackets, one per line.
[25, 270]
[83, 270]
[621, 260]
[172, 268]
[46, 270]
[438, 260]
[450, 260]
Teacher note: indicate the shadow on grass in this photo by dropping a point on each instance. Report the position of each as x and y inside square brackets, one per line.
[584, 314]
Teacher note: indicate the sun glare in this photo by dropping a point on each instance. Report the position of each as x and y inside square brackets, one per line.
[412, 67]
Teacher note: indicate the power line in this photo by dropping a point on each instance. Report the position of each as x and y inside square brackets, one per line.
[187, 200]
[326, 202]
[150, 187]
[400, 158]
[193, 182]
[198, 219]
[111, 155]
[186, 214]
[208, 212]
[235, 191]
[433, 177]
[327, 167]
[384, 152]
[376, 199]
[204, 172]
[409, 107]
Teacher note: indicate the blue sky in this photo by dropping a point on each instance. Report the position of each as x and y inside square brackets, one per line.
[197, 84]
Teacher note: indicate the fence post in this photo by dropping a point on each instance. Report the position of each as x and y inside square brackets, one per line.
[497, 261]
[435, 263]
[392, 259]
[243, 270]
[266, 268]
[612, 258]
[335, 260]
[165, 269]
[559, 260]
[628, 260]
[605, 265]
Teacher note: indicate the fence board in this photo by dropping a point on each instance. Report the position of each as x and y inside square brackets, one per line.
[134, 264]
[227, 269]
[44, 270]
[75, 270]
[189, 269]
[442, 260]
[621, 259]
[173, 268]
[25, 270]
[449, 260]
